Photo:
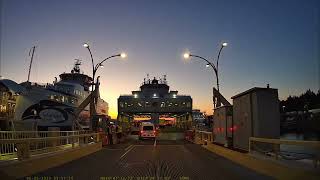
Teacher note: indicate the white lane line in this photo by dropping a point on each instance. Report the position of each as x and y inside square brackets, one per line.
[127, 152]
[155, 143]
[128, 147]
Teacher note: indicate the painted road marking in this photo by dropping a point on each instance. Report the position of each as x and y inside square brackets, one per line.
[129, 149]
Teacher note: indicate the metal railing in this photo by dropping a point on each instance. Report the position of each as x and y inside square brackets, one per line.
[261, 144]
[24, 144]
[204, 136]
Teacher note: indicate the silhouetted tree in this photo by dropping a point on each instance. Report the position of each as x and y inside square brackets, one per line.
[307, 100]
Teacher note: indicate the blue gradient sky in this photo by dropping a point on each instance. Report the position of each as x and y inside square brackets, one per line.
[271, 41]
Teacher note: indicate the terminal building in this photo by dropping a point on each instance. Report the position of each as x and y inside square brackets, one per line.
[155, 102]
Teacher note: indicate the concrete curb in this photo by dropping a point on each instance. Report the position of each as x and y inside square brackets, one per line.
[265, 167]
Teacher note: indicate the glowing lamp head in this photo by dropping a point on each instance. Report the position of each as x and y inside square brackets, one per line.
[135, 95]
[186, 55]
[123, 55]
[101, 65]
[207, 65]
[86, 45]
[225, 44]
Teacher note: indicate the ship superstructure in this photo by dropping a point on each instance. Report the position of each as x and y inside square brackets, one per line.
[53, 105]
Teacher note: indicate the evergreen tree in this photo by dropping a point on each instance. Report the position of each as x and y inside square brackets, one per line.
[307, 100]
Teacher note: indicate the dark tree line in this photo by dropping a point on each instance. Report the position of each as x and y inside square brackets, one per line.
[306, 101]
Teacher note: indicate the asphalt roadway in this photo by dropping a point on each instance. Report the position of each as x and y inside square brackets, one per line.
[146, 160]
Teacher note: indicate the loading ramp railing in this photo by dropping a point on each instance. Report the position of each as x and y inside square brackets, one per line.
[19, 145]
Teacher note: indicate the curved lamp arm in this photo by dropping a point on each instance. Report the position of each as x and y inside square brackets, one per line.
[100, 63]
[91, 58]
[212, 65]
[219, 56]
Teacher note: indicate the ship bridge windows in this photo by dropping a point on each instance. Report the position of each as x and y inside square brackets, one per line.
[61, 98]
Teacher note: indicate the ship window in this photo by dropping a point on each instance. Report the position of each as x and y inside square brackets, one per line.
[121, 104]
[154, 104]
[148, 104]
[162, 104]
[3, 108]
[66, 99]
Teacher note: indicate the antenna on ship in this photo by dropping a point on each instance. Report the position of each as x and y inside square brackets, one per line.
[32, 49]
[165, 79]
[148, 79]
[76, 68]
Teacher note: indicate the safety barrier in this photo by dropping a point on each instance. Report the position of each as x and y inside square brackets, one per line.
[275, 146]
[24, 144]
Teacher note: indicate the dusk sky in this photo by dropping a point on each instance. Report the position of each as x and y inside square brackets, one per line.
[270, 41]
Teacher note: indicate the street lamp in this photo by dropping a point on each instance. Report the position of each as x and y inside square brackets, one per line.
[94, 70]
[100, 64]
[215, 67]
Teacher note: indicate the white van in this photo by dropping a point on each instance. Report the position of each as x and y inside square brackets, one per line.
[147, 130]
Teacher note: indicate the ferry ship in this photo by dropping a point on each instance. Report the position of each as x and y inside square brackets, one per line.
[40, 106]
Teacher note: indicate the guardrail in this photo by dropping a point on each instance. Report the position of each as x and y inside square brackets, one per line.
[275, 148]
[24, 144]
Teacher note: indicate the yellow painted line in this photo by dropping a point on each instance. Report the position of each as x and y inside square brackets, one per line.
[265, 167]
[129, 149]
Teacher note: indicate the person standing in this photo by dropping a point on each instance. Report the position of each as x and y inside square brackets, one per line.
[109, 131]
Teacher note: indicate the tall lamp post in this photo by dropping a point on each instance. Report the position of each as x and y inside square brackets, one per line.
[215, 67]
[94, 70]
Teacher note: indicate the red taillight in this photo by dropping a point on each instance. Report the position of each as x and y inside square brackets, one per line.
[235, 128]
[231, 129]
